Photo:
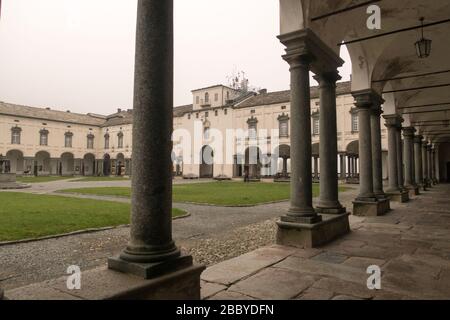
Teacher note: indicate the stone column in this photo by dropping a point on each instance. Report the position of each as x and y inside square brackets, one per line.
[418, 161]
[400, 168]
[301, 207]
[363, 105]
[151, 250]
[343, 167]
[425, 164]
[392, 124]
[433, 168]
[377, 162]
[285, 173]
[349, 160]
[329, 196]
[316, 167]
[408, 134]
[430, 163]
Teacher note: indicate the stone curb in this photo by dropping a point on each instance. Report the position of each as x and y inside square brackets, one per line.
[181, 202]
[74, 233]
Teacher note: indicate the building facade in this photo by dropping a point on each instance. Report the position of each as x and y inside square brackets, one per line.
[223, 133]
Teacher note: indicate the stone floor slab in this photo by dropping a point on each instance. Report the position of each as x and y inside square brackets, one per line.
[274, 284]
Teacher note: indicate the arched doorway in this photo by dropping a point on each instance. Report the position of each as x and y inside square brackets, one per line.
[352, 151]
[253, 163]
[89, 165]
[67, 164]
[283, 153]
[120, 164]
[106, 165]
[42, 164]
[207, 162]
[315, 152]
[15, 161]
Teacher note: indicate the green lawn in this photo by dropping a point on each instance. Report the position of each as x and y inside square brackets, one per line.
[217, 193]
[94, 179]
[24, 215]
[33, 179]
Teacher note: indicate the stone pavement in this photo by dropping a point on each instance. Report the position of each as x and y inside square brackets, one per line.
[411, 245]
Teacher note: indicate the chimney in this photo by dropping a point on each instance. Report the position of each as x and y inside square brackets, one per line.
[119, 110]
[47, 108]
[68, 111]
[263, 91]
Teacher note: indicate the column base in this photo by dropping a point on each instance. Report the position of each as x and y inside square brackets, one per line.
[399, 196]
[336, 210]
[105, 284]
[306, 235]
[413, 191]
[368, 208]
[150, 270]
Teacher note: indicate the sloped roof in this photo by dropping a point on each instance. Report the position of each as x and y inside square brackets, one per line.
[181, 110]
[49, 115]
[285, 96]
[119, 118]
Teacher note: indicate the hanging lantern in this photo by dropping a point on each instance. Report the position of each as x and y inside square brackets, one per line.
[423, 46]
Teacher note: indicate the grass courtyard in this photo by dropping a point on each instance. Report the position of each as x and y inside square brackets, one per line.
[216, 193]
[24, 215]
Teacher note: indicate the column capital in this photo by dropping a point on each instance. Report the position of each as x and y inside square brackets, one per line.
[327, 78]
[367, 98]
[409, 131]
[305, 43]
[392, 120]
[418, 138]
[429, 147]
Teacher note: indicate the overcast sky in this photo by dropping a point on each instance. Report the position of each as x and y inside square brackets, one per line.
[78, 55]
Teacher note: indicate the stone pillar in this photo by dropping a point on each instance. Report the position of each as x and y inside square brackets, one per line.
[366, 204]
[301, 207]
[418, 162]
[437, 173]
[408, 134]
[377, 162]
[425, 165]
[343, 167]
[433, 168]
[316, 168]
[329, 196]
[430, 163]
[302, 226]
[151, 252]
[400, 168]
[285, 173]
[350, 168]
[394, 191]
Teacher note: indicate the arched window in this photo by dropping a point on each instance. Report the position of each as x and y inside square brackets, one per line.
[120, 140]
[107, 141]
[68, 139]
[43, 137]
[206, 97]
[90, 141]
[15, 135]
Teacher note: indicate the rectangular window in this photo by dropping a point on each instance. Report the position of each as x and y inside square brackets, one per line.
[216, 113]
[284, 128]
[43, 141]
[90, 143]
[68, 141]
[355, 122]
[252, 131]
[225, 112]
[216, 97]
[206, 114]
[15, 137]
[315, 126]
[197, 100]
[189, 116]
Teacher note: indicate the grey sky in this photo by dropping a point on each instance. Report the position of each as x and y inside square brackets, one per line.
[79, 54]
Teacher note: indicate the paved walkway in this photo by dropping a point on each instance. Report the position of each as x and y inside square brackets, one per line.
[411, 245]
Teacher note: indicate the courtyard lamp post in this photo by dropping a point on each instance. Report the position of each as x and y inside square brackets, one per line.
[423, 46]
